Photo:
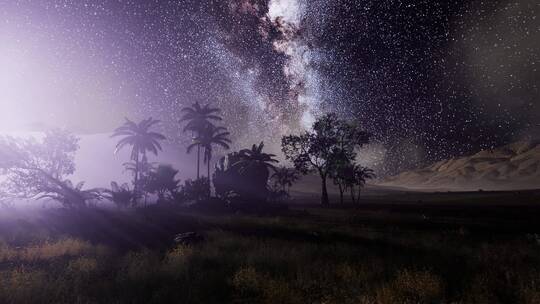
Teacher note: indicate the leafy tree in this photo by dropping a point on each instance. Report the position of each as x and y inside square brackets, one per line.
[141, 139]
[38, 169]
[163, 182]
[330, 142]
[254, 165]
[207, 139]
[198, 118]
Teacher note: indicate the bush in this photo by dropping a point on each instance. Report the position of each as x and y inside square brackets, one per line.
[195, 190]
[121, 195]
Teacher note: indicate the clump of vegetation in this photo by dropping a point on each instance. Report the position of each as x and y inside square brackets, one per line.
[162, 181]
[245, 174]
[121, 195]
[195, 190]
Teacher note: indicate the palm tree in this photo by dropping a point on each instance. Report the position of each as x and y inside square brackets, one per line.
[141, 139]
[285, 177]
[361, 175]
[207, 139]
[255, 157]
[198, 119]
[254, 164]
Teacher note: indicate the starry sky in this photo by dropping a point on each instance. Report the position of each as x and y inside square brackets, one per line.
[430, 79]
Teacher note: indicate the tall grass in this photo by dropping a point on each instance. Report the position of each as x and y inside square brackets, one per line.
[278, 260]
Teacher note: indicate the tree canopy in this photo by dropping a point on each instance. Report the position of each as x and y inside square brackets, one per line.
[38, 169]
[330, 142]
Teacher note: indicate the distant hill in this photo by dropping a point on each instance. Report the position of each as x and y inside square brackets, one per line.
[514, 166]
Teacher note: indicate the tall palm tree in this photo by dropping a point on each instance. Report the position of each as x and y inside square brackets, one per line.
[198, 118]
[207, 139]
[141, 139]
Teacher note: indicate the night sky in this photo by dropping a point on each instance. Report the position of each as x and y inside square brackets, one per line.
[430, 79]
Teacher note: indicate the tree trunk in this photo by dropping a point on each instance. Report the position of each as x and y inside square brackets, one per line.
[208, 169]
[324, 194]
[136, 182]
[209, 183]
[352, 195]
[341, 193]
[198, 161]
[359, 190]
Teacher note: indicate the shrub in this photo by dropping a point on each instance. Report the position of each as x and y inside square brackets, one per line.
[121, 196]
[196, 190]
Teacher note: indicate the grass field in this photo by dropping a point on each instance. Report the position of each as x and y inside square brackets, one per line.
[477, 247]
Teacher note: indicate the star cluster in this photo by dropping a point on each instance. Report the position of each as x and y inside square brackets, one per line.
[430, 79]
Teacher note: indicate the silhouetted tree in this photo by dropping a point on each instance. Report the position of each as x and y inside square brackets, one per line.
[254, 164]
[198, 119]
[285, 177]
[329, 142]
[141, 139]
[162, 181]
[343, 177]
[143, 169]
[360, 176]
[37, 169]
[207, 139]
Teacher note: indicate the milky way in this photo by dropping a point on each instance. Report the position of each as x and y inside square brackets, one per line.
[430, 79]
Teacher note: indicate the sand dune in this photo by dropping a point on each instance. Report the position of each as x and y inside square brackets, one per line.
[514, 166]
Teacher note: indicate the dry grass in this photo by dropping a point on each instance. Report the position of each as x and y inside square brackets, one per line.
[249, 259]
[68, 247]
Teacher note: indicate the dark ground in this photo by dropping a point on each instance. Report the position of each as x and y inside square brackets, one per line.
[393, 247]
